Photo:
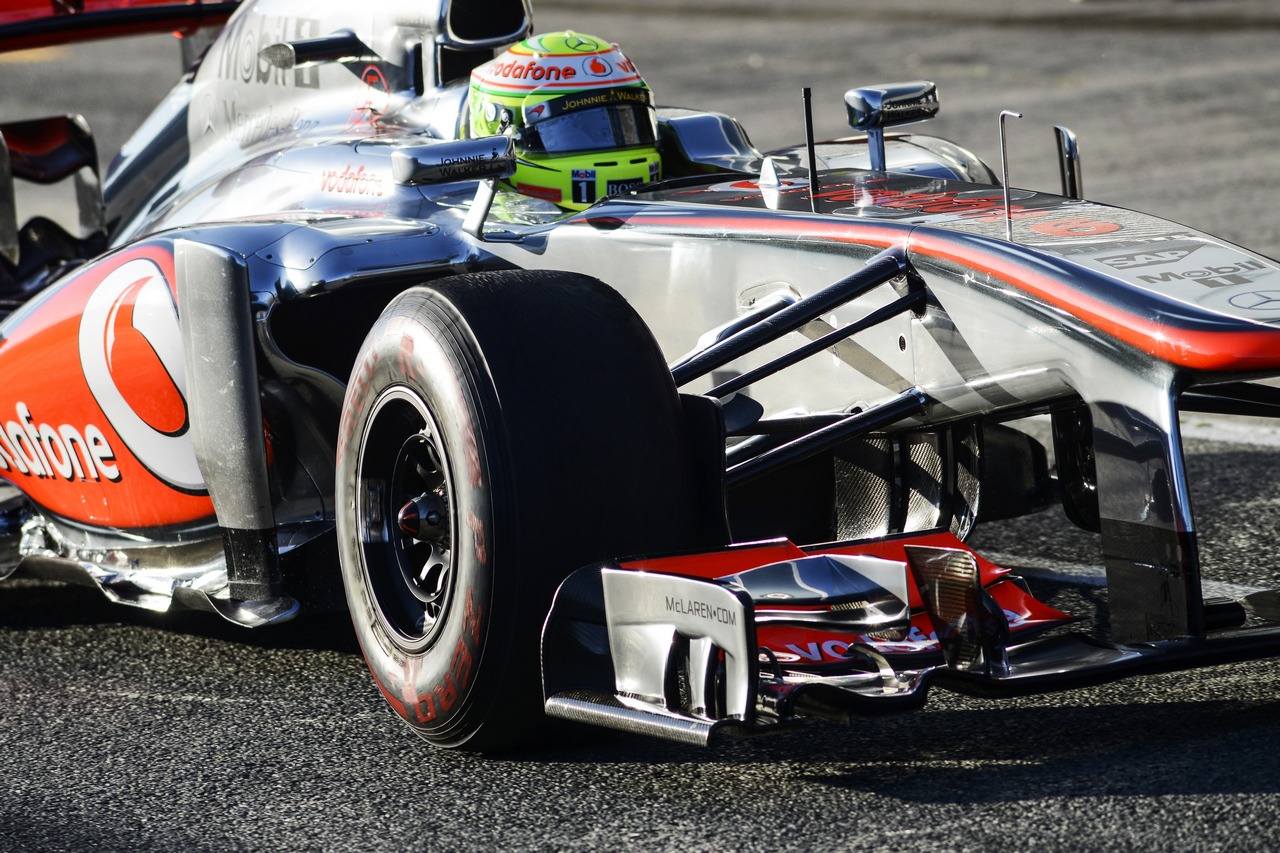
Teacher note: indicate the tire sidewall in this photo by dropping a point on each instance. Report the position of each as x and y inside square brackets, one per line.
[441, 690]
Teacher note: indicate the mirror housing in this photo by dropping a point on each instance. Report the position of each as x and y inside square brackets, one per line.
[873, 108]
[488, 157]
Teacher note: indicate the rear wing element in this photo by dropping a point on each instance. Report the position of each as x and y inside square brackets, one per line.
[27, 24]
[46, 151]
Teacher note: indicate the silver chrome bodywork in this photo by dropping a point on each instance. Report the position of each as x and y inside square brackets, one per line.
[314, 165]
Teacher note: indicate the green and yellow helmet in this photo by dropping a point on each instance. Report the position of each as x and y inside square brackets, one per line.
[582, 117]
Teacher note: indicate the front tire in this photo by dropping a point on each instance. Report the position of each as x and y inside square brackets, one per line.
[499, 431]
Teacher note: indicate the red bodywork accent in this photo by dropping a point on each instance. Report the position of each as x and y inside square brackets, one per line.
[146, 386]
[40, 358]
[27, 24]
[719, 564]
[809, 646]
[1253, 349]
[1235, 350]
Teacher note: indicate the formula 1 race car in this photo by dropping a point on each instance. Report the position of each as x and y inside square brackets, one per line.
[665, 434]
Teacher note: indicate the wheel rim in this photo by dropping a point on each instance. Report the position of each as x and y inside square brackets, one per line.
[405, 518]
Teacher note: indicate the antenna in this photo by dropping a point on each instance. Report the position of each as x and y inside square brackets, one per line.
[807, 94]
[1004, 172]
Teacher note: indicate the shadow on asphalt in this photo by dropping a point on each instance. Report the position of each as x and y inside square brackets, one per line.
[38, 604]
[997, 753]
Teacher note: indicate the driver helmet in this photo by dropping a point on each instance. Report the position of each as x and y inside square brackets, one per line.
[583, 119]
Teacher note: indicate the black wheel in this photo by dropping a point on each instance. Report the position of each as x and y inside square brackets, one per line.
[500, 430]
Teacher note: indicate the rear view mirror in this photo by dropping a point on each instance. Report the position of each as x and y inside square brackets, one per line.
[873, 108]
[456, 160]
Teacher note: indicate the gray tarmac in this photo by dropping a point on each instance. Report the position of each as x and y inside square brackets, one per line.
[127, 731]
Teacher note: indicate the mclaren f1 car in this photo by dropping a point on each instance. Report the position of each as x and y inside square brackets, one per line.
[692, 449]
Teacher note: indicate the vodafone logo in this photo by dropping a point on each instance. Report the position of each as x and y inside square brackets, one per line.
[131, 353]
[42, 450]
[596, 67]
[530, 70]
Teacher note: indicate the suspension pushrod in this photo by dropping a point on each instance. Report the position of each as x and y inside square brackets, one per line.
[768, 308]
[883, 267]
[875, 318]
[792, 425]
[892, 411]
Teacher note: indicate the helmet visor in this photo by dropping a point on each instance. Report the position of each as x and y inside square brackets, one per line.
[625, 119]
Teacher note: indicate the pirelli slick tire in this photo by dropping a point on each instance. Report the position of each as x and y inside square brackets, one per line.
[500, 430]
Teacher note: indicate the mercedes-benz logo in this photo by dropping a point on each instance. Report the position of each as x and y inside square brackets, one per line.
[1257, 300]
[573, 41]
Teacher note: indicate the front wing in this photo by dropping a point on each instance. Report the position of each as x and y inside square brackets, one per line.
[753, 638]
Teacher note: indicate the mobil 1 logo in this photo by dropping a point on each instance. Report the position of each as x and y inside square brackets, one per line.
[1171, 263]
[583, 182]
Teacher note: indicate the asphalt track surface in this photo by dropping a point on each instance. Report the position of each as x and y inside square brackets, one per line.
[127, 731]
